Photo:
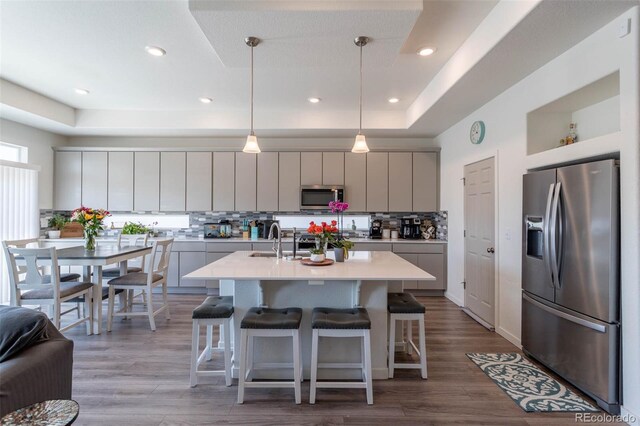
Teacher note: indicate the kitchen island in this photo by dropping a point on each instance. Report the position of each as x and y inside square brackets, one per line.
[255, 279]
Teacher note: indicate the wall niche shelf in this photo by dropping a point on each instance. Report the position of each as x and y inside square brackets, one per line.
[594, 108]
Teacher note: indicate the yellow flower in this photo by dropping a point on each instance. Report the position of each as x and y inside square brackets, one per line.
[88, 216]
[100, 217]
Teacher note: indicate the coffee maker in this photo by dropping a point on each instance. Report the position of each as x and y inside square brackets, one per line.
[375, 230]
[410, 228]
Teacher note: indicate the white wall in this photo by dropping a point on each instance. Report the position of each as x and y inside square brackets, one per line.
[39, 143]
[505, 116]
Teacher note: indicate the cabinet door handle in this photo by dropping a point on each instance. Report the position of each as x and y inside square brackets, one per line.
[491, 250]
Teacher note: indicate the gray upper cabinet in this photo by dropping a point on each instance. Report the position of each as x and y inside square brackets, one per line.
[400, 182]
[146, 191]
[333, 168]
[289, 182]
[68, 180]
[224, 181]
[199, 181]
[355, 181]
[377, 181]
[173, 169]
[94, 179]
[120, 181]
[267, 182]
[311, 168]
[245, 182]
[425, 181]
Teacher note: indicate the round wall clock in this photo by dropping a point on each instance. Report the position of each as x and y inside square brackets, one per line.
[477, 132]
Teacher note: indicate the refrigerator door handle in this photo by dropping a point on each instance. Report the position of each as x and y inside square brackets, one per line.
[560, 245]
[553, 246]
[592, 325]
[546, 254]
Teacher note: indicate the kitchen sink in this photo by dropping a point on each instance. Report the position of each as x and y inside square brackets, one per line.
[272, 254]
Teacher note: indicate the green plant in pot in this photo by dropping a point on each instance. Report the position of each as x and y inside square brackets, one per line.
[131, 228]
[341, 247]
[317, 254]
[57, 222]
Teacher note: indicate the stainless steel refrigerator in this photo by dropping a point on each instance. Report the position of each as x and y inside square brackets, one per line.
[570, 276]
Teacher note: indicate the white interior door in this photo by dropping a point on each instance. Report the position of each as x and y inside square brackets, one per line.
[479, 223]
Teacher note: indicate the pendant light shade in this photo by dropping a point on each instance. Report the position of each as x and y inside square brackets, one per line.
[360, 145]
[251, 146]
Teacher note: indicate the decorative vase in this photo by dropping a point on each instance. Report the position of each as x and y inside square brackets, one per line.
[339, 254]
[54, 234]
[318, 257]
[89, 240]
[322, 243]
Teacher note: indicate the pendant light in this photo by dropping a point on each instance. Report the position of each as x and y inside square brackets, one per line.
[360, 145]
[251, 146]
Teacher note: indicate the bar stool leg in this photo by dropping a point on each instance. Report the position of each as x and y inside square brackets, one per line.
[314, 367]
[209, 341]
[195, 344]
[392, 345]
[423, 349]
[296, 365]
[409, 336]
[243, 364]
[227, 350]
[300, 355]
[367, 362]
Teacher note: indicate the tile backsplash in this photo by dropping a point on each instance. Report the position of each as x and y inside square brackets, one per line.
[198, 219]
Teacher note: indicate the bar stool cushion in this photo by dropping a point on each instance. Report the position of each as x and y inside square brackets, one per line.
[214, 307]
[66, 289]
[136, 278]
[63, 278]
[404, 303]
[343, 319]
[274, 319]
[115, 272]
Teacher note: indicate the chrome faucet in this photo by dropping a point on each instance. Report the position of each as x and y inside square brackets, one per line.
[277, 249]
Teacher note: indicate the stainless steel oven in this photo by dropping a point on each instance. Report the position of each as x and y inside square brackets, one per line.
[317, 197]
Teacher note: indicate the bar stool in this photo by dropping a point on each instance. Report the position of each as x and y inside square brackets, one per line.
[331, 322]
[405, 307]
[266, 322]
[215, 310]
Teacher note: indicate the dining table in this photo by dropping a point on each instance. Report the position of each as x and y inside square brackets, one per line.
[93, 262]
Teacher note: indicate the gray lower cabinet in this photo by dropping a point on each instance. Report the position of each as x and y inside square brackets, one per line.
[189, 262]
[173, 273]
[431, 258]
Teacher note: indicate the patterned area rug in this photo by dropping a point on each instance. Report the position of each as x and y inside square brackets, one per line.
[529, 387]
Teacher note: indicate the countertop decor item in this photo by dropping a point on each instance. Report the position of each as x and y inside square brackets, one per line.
[476, 135]
[91, 221]
[341, 247]
[339, 208]
[322, 233]
[57, 222]
[131, 228]
[324, 262]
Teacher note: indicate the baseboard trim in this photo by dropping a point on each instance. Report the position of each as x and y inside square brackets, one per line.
[510, 337]
[478, 319]
[631, 418]
[453, 299]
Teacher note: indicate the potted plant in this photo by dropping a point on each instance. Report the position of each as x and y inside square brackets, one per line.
[57, 222]
[322, 233]
[341, 248]
[317, 254]
[91, 221]
[131, 228]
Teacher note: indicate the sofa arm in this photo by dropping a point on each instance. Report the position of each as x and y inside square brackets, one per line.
[39, 373]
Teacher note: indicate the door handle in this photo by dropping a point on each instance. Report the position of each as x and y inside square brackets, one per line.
[546, 254]
[553, 246]
[589, 324]
[491, 250]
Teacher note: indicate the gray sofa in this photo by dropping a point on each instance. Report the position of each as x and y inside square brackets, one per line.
[36, 360]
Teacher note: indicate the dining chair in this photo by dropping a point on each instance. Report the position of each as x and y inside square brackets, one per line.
[39, 289]
[21, 270]
[155, 276]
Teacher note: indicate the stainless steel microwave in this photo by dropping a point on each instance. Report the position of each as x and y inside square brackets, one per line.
[317, 197]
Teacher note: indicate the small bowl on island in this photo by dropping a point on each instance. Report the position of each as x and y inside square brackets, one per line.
[317, 255]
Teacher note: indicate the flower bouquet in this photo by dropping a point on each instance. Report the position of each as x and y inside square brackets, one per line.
[91, 221]
[322, 233]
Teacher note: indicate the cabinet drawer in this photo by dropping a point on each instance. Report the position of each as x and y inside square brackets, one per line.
[228, 247]
[372, 247]
[267, 246]
[187, 246]
[418, 248]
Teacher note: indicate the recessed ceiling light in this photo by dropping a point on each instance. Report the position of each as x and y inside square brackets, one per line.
[427, 51]
[155, 51]
[314, 100]
[393, 100]
[206, 100]
[82, 91]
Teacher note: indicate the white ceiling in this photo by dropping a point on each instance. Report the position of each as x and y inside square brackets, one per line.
[52, 47]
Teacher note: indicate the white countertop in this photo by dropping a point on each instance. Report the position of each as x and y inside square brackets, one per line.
[361, 265]
[261, 240]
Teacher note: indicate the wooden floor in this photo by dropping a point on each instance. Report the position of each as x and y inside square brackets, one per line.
[133, 376]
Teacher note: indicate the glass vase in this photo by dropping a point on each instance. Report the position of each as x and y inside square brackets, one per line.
[89, 240]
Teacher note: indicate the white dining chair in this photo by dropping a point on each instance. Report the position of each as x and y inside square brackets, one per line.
[156, 276]
[37, 288]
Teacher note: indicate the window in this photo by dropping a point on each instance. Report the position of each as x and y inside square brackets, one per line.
[302, 221]
[15, 153]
